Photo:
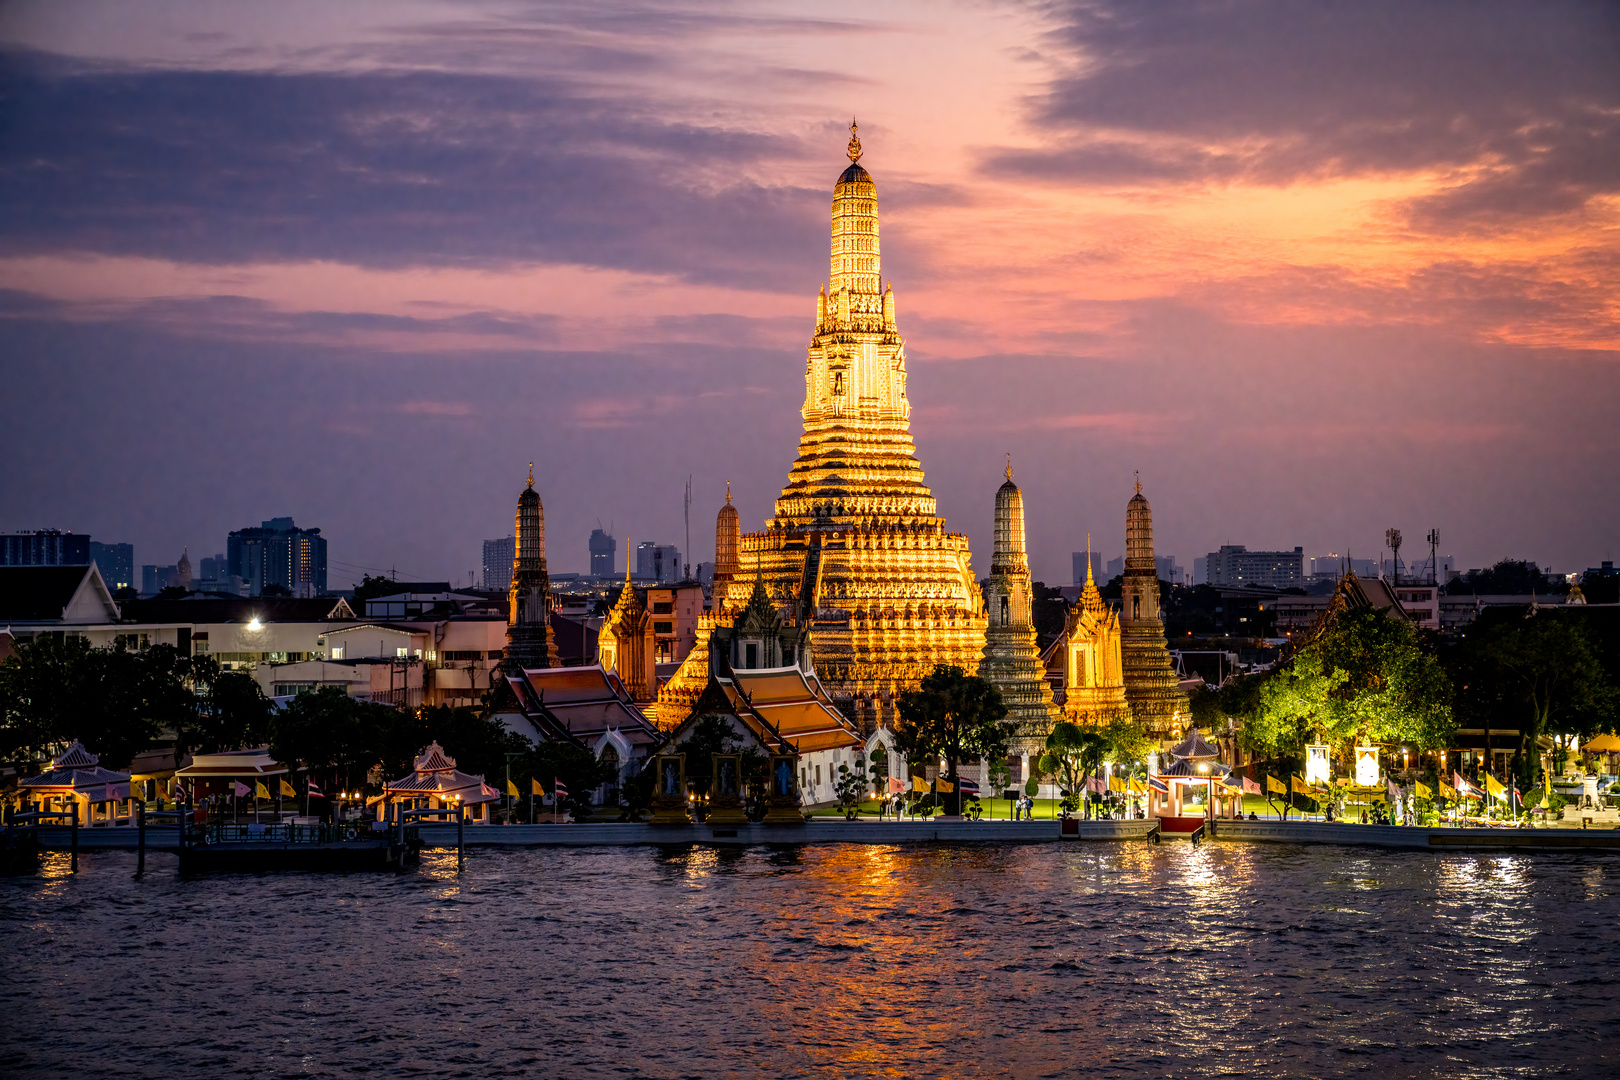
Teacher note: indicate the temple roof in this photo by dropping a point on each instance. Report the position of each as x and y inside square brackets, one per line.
[1194, 748]
[582, 702]
[794, 707]
[75, 757]
[434, 759]
[852, 175]
[255, 762]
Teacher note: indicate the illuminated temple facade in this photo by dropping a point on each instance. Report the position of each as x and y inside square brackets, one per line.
[1087, 661]
[856, 551]
[1012, 661]
[1151, 686]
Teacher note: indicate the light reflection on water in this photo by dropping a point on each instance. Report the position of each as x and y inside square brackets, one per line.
[1112, 960]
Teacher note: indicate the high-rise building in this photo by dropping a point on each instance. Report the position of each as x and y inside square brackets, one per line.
[856, 549]
[154, 579]
[1236, 565]
[277, 552]
[1151, 686]
[116, 563]
[530, 642]
[1081, 570]
[44, 547]
[602, 548]
[658, 562]
[1012, 662]
[499, 555]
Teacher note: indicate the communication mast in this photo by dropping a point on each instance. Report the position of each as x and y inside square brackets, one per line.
[1392, 537]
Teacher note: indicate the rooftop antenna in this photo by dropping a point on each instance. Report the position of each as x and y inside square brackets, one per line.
[1392, 537]
[688, 512]
[1434, 557]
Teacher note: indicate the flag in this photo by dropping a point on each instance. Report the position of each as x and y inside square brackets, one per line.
[259, 790]
[241, 790]
[1495, 788]
[287, 789]
[966, 786]
[1448, 791]
[1465, 790]
[1300, 787]
[1135, 785]
[1422, 789]
[1096, 785]
[919, 784]
[1274, 784]
[1250, 787]
[1158, 785]
[942, 785]
[511, 789]
[1394, 791]
[558, 788]
[314, 791]
[535, 788]
[1116, 784]
[896, 785]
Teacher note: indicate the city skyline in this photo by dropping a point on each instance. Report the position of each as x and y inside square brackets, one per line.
[1346, 293]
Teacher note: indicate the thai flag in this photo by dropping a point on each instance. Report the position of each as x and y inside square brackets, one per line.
[315, 792]
[966, 786]
[1158, 785]
[558, 788]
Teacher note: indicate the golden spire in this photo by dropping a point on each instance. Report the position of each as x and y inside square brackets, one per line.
[854, 143]
[728, 492]
[1139, 481]
[1009, 467]
[531, 474]
[1088, 559]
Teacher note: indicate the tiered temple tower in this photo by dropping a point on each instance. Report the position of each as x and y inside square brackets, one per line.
[1012, 661]
[529, 639]
[856, 552]
[1093, 669]
[624, 644]
[1151, 686]
[727, 539]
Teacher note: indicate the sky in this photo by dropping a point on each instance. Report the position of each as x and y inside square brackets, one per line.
[1313, 270]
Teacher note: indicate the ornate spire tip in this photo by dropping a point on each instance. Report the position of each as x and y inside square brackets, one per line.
[1009, 467]
[531, 474]
[854, 142]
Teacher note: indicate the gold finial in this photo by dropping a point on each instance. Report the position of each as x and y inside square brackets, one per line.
[728, 492]
[1009, 467]
[854, 142]
[1088, 559]
[531, 474]
[1139, 481]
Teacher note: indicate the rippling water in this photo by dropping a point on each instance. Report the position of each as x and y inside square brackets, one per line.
[1107, 960]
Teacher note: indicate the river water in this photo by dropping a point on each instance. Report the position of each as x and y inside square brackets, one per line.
[1018, 961]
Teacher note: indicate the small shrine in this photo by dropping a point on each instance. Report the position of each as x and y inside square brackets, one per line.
[1193, 761]
[436, 784]
[76, 779]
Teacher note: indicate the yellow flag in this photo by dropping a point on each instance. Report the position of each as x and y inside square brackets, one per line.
[1116, 784]
[1136, 786]
[511, 789]
[1274, 784]
[1494, 786]
[918, 784]
[943, 786]
[1300, 786]
[1422, 790]
[1448, 791]
[287, 789]
[536, 789]
[260, 791]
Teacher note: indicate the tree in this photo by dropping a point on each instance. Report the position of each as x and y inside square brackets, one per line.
[952, 715]
[231, 711]
[1509, 577]
[852, 786]
[1072, 753]
[1544, 674]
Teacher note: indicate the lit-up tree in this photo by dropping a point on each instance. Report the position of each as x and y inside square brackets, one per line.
[955, 716]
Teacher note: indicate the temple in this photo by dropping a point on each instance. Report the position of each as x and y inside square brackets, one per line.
[1085, 661]
[1151, 686]
[1012, 661]
[856, 552]
[529, 639]
[679, 693]
[624, 645]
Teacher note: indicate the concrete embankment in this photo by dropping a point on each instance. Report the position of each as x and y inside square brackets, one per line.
[1410, 837]
[618, 834]
[818, 831]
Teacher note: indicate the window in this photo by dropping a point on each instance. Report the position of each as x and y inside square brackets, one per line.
[663, 607]
[818, 776]
[663, 628]
[400, 653]
[452, 656]
[495, 654]
[753, 656]
[337, 652]
[787, 656]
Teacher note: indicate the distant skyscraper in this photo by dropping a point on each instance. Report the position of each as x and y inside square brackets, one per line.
[44, 547]
[661, 562]
[498, 556]
[278, 553]
[1236, 565]
[154, 579]
[116, 563]
[1079, 560]
[602, 548]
